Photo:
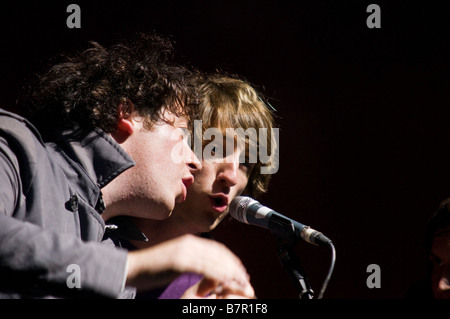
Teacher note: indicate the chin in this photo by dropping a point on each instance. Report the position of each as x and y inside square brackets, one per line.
[204, 226]
[213, 225]
[162, 211]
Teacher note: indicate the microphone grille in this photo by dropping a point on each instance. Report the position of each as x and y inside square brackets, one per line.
[238, 206]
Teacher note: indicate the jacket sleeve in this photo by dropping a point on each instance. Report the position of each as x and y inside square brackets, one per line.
[40, 262]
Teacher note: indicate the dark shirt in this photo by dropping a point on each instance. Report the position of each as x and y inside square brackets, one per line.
[174, 290]
[121, 230]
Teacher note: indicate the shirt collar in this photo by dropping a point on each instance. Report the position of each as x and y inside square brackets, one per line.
[121, 230]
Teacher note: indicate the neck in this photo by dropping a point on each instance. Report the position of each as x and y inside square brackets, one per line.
[158, 231]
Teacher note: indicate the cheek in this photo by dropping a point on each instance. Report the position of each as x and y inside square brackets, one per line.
[203, 184]
[243, 181]
[193, 197]
[240, 186]
[162, 155]
[206, 175]
[435, 278]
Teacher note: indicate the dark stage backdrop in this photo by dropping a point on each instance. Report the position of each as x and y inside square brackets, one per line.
[363, 116]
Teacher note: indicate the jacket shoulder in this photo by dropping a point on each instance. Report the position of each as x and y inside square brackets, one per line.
[14, 125]
[18, 125]
[23, 144]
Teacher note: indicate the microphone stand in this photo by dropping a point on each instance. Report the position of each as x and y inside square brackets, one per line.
[286, 239]
[291, 264]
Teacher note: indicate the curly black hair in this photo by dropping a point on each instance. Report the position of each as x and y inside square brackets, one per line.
[90, 89]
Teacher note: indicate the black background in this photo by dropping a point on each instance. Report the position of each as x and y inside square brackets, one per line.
[363, 117]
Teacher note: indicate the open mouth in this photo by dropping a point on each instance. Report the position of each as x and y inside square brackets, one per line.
[219, 202]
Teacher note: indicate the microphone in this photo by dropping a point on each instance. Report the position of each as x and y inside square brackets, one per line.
[249, 211]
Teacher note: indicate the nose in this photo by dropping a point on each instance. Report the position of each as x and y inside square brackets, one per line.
[228, 173]
[193, 163]
[444, 284]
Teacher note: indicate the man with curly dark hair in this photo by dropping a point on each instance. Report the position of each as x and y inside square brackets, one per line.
[99, 143]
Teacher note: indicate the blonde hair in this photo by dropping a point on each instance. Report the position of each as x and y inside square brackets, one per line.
[229, 102]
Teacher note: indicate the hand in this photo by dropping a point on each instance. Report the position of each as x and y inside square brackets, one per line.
[210, 289]
[155, 266]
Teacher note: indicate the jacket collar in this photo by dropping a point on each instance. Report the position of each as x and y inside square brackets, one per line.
[99, 155]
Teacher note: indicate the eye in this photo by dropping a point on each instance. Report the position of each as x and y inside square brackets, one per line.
[435, 260]
[245, 169]
[217, 151]
[247, 165]
[212, 153]
[184, 132]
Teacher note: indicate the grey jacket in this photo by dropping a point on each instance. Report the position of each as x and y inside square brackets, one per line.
[50, 230]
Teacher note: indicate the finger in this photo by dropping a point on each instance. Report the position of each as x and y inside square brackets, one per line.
[232, 296]
[236, 288]
[207, 286]
[202, 289]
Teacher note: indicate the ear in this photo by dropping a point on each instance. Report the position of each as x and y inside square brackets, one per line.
[125, 127]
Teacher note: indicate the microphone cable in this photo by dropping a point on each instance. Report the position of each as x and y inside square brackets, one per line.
[330, 271]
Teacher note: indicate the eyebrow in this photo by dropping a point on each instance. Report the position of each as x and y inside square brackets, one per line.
[441, 232]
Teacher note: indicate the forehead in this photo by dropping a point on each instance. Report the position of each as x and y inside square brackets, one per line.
[171, 118]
